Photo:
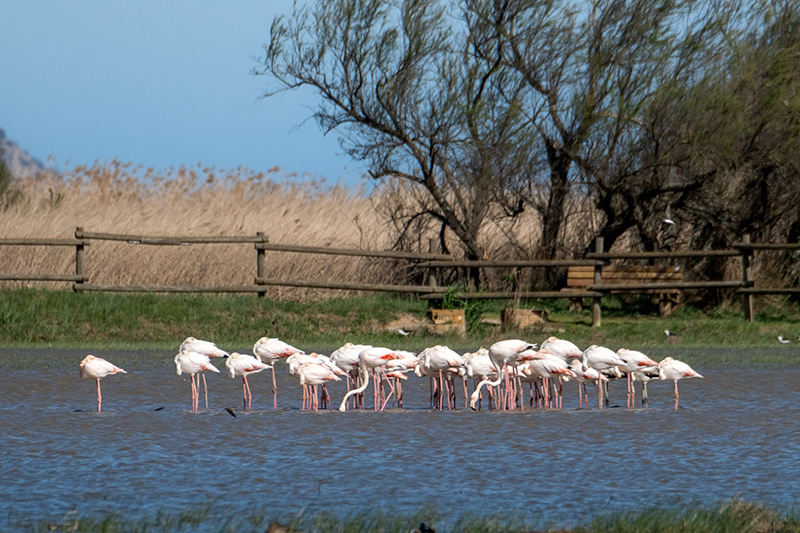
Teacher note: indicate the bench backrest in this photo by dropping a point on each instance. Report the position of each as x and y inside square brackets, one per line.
[583, 276]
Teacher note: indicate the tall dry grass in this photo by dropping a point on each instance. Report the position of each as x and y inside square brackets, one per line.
[197, 201]
[205, 201]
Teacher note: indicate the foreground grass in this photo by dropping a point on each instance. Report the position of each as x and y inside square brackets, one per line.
[734, 516]
[61, 319]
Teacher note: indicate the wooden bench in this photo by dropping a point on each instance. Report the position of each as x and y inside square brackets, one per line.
[581, 277]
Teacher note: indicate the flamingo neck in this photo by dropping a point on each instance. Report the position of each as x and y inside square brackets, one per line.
[364, 372]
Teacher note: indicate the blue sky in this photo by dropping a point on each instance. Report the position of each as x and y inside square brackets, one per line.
[157, 84]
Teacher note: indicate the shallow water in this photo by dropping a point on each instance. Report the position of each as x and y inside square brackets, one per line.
[735, 435]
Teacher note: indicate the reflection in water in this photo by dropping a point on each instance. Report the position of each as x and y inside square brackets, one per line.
[735, 436]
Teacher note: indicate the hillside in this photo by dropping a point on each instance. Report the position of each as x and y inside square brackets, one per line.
[19, 162]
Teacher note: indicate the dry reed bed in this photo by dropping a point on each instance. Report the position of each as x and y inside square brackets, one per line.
[204, 201]
[119, 198]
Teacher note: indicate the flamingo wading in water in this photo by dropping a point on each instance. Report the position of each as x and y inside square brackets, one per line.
[97, 368]
[194, 363]
[244, 365]
[502, 354]
[674, 370]
[271, 351]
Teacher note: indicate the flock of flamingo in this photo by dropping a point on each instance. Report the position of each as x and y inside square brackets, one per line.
[503, 369]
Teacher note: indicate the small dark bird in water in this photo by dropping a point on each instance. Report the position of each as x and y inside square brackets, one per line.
[275, 527]
[424, 529]
[230, 411]
[158, 409]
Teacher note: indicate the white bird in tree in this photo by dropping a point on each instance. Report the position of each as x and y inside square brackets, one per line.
[674, 370]
[97, 368]
[503, 354]
[271, 351]
[601, 359]
[244, 365]
[194, 363]
[204, 347]
[371, 360]
[634, 361]
[668, 217]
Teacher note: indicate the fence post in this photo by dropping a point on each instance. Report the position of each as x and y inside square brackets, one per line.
[261, 262]
[747, 278]
[432, 281]
[599, 243]
[79, 250]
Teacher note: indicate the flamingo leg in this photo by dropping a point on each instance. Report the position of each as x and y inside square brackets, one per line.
[676, 393]
[644, 394]
[205, 387]
[391, 391]
[99, 397]
[249, 394]
[194, 392]
[274, 389]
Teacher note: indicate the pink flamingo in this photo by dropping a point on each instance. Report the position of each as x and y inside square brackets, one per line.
[370, 360]
[584, 376]
[244, 365]
[346, 358]
[634, 362]
[675, 370]
[397, 369]
[204, 347]
[479, 367]
[312, 375]
[271, 351]
[97, 368]
[601, 359]
[440, 360]
[548, 367]
[502, 354]
[564, 349]
[194, 363]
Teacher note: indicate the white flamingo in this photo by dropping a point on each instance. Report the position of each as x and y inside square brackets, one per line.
[397, 369]
[479, 367]
[97, 368]
[443, 362]
[502, 354]
[194, 363]
[370, 360]
[634, 362]
[674, 370]
[244, 365]
[204, 347]
[562, 348]
[312, 375]
[346, 358]
[271, 351]
[601, 359]
[584, 376]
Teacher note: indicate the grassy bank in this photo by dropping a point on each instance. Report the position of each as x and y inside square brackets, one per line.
[735, 516]
[45, 318]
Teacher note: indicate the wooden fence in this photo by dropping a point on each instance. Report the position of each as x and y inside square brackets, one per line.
[431, 261]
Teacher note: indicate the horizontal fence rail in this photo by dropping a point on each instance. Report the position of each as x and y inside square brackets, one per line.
[594, 287]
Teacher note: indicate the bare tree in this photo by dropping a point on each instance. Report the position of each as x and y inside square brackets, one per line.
[398, 82]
